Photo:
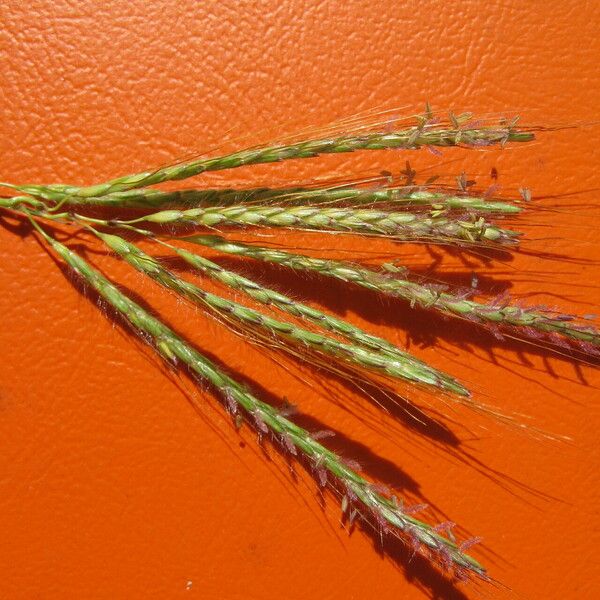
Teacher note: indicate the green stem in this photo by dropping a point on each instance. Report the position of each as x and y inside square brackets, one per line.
[410, 138]
[398, 367]
[16, 202]
[269, 296]
[356, 488]
[191, 198]
[400, 225]
[417, 294]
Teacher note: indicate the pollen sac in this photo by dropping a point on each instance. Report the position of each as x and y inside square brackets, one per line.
[344, 504]
[288, 444]
[321, 435]
[230, 402]
[261, 426]
[469, 543]
[322, 476]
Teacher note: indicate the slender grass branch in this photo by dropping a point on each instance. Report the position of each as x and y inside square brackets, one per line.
[398, 366]
[358, 491]
[425, 133]
[399, 225]
[499, 313]
[268, 296]
[397, 197]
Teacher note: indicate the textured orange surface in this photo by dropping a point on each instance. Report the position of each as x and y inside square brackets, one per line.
[111, 484]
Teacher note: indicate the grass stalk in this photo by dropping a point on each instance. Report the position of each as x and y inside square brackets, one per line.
[397, 197]
[268, 296]
[357, 491]
[526, 321]
[398, 366]
[424, 133]
[399, 225]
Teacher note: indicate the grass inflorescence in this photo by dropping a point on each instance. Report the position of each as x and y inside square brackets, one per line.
[125, 211]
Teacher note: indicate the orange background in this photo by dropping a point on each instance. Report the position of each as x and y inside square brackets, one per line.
[111, 484]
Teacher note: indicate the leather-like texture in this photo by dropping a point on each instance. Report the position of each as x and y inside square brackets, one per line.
[112, 485]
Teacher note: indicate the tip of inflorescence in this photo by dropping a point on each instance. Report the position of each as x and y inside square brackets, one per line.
[522, 136]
